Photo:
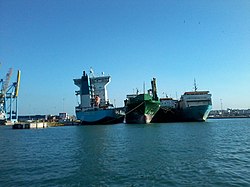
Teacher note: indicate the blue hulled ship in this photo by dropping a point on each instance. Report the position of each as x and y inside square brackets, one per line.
[94, 107]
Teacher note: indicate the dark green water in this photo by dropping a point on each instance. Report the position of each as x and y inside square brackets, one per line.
[215, 153]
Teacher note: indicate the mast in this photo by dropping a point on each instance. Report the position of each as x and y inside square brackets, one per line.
[195, 86]
[144, 87]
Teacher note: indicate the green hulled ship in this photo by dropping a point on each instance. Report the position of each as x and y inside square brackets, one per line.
[141, 108]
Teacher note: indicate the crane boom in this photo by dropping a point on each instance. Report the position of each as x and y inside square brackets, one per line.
[6, 82]
[17, 83]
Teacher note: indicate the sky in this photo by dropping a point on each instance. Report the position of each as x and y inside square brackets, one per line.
[176, 41]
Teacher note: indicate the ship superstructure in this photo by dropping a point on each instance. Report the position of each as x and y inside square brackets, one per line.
[93, 92]
[168, 102]
[167, 112]
[94, 107]
[99, 89]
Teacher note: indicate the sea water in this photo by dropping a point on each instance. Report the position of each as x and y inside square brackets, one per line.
[214, 153]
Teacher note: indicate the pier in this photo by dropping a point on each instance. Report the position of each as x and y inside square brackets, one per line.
[33, 125]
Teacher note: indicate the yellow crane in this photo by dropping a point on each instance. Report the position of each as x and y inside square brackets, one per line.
[17, 83]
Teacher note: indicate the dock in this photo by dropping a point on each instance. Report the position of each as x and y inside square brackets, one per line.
[32, 125]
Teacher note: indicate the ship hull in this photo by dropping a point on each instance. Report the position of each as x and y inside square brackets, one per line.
[100, 117]
[165, 115]
[195, 113]
[3, 122]
[141, 112]
[189, 114]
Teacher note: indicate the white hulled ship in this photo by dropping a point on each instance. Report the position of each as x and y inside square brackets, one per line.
[195, 106]
[94, 107]
[192, 106]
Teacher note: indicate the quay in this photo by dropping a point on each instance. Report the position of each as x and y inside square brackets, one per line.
[33, 125]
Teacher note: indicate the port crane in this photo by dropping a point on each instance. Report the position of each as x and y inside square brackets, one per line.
[8, 98]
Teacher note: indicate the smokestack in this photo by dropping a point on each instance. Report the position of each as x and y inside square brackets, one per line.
[154, 91]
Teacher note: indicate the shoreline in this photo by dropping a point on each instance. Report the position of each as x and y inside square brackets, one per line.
[227, 117]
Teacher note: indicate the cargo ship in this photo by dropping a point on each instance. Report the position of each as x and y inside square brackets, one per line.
[168, 111]
[94, 107]
[193, 106]
[141, 108]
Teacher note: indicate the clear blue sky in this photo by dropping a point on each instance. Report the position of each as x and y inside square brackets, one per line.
[53, 41]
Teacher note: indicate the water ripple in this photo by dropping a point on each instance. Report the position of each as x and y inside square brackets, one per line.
[216, 153]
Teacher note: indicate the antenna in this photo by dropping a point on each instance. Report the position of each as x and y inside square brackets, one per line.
[144, 87]
[221, 106]
[195, 86]
[165, 94]
[91, 71]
